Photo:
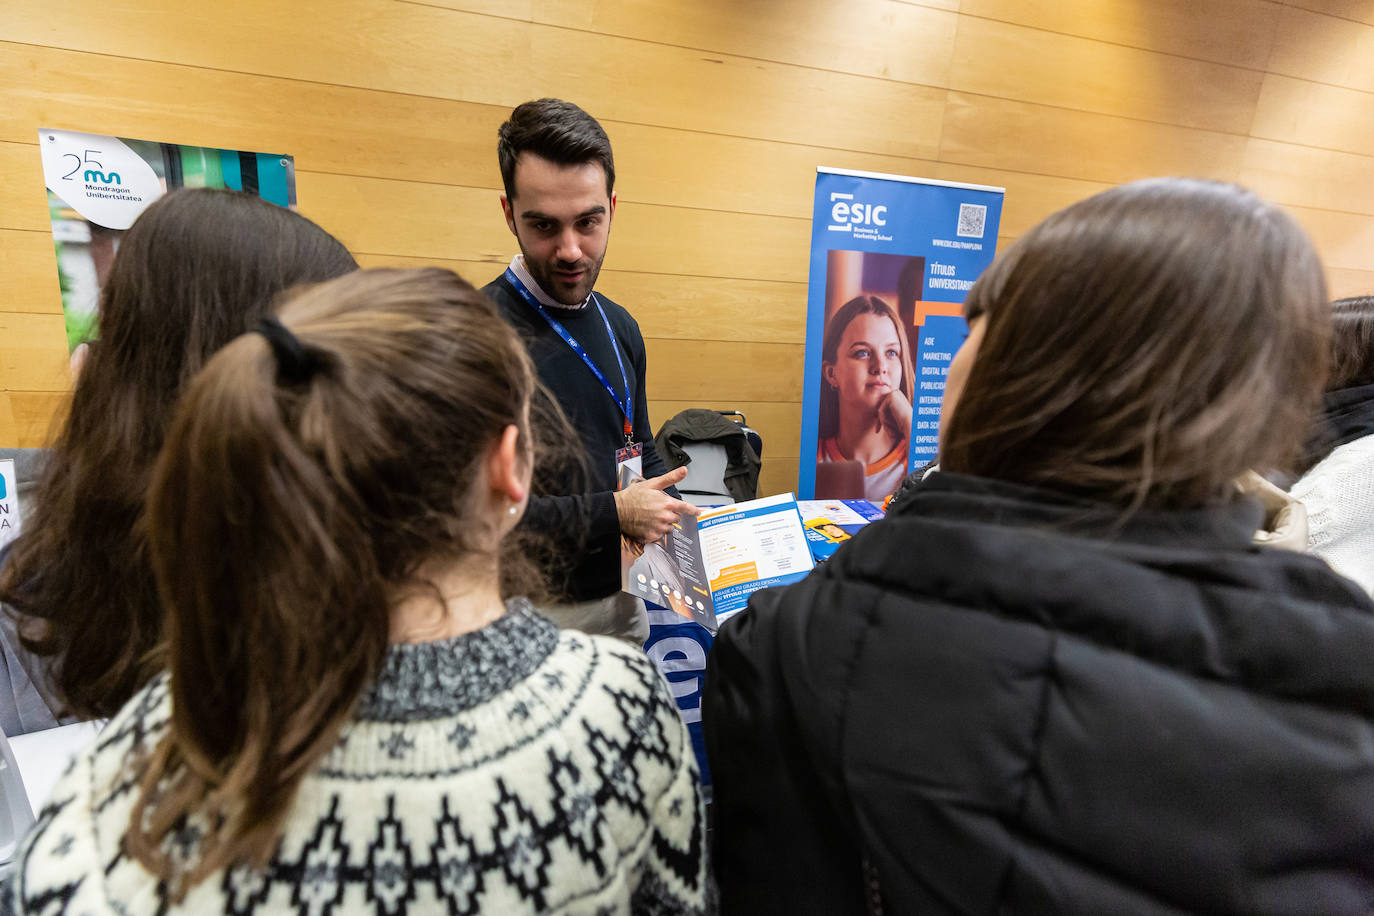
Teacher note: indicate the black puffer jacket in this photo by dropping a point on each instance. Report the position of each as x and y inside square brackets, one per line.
[1004, 708]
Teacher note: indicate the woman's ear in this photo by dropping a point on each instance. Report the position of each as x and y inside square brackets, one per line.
[828, 374]
[506, 466]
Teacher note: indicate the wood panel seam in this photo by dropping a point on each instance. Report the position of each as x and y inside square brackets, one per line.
[748, 137]
[475, 187]
[625, 270]
[1117, 44]
[668, 44]
[1306, 9]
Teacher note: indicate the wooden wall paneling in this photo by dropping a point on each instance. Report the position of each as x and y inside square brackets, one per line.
[28, 273]
[372, 44]
[9, 432]
[33, 352]
[1358, 10]
[28, 419]
[694, 169]
[712, 370]
[778, 423]
[710, 308]
[910, 44]
[1235, 32]
[390, 135]
[1324, 49]
[711, 243]
[667, 305]
[777, 475]
[1015, 62]
[418, 219]
[478, 273]
[1019, 136]
[1342, 282]
[644, 83]
[1309, 177]
[522, 10]
[687, 168]
[441, 221]
[406, 47]
[1345, 240]
[22, 187]
[948, 5]
[327, 128]
[1313, 114]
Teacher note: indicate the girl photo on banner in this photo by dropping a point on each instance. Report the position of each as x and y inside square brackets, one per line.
[866, 382]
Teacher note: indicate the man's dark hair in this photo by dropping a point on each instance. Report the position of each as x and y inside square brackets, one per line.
[559, 132]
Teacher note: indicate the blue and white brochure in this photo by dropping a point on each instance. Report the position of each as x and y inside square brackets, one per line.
[752, 545]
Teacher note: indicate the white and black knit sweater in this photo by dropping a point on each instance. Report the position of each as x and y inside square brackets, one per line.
[515, 769]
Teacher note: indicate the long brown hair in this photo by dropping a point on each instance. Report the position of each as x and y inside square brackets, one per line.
[287, 510]
[196, 269]
[829, 413]
[1144, 347]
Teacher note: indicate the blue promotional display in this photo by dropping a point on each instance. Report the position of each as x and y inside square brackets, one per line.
[679, 648]
[891, 261]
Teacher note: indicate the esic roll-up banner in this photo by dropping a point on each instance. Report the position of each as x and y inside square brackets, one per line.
[892, 259]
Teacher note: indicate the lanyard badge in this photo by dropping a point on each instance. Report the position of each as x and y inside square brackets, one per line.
[626, 404]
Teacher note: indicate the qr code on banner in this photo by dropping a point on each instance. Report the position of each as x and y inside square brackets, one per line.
[972, 219]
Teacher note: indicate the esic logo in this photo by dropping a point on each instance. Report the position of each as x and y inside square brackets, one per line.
[845, 216]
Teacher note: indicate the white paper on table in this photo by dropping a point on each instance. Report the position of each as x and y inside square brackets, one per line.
[766, 533]
[832, 510]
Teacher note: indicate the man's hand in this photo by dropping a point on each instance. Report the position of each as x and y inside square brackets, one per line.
[646, 512]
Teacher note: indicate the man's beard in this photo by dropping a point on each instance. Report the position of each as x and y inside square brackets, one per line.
[543, 273]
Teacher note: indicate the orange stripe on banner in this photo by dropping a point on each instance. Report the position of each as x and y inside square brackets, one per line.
[947, 309]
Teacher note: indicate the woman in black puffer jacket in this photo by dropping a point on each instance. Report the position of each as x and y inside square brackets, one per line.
[1060, 677]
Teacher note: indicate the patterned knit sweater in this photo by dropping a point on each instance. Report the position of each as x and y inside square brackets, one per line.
[515, 769]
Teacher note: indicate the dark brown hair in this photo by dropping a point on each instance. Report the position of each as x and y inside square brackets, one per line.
[1352, 343]
[288, 511]
[1144, 347]
[829, 412]
[554, 130]
[196, 269]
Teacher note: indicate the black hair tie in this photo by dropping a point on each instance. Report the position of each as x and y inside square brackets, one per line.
[295, 364]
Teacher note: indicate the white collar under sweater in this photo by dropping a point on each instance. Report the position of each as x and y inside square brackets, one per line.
[517, 266]
[516, 769]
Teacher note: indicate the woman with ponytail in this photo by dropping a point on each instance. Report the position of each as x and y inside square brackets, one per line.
[199, 267]
[357, 716]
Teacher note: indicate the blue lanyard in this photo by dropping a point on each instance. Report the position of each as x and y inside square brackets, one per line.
[626, 405]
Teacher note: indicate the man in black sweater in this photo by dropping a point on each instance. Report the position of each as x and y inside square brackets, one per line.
[559, 200]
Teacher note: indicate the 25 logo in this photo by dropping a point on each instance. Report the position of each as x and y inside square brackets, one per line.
[92, 175]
